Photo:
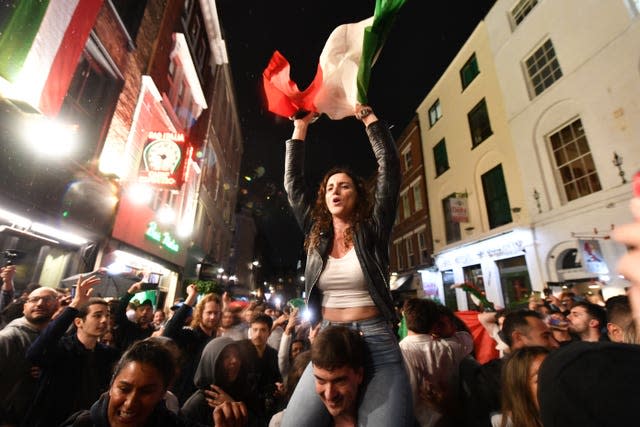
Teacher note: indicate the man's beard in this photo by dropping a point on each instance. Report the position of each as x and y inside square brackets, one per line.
[39, 320]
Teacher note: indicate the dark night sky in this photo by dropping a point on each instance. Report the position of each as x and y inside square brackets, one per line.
[421, 44]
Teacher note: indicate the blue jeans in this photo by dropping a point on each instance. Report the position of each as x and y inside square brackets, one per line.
[385, 397]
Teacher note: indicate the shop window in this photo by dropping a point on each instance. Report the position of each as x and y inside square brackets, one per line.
[515, 281]
[473, 276]
[543, 68]
[496, 198]
[469, 71]
[479, 123]
[575, 168]
[448, 281]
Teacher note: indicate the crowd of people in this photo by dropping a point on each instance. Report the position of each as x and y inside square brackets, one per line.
[77, 360]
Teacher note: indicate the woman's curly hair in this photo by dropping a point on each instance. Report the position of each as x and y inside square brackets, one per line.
[321, 217]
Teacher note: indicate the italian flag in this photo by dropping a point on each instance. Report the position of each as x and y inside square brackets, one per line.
[40, 44]
[344, 69]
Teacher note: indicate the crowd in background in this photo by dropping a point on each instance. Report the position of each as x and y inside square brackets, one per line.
[61, 358]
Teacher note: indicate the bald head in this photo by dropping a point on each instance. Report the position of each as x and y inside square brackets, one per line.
[40, 306]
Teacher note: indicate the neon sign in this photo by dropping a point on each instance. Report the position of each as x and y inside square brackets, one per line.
[163, 237]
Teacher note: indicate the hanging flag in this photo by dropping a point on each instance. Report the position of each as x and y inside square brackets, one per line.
[344, 69]
[17, 32]
[50, 53]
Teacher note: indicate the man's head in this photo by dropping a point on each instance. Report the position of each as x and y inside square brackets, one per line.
[421, 315]
[40, 306]
[586, 320]
[228, 318]
[337, 355]
[159, 316]
[260, 329]
[144, 312]
[567, 300]
[618, 317]
[525, 328]
[207, 313]
[92, 319]
[297, 347]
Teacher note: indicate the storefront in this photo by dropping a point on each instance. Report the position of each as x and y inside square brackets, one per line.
[42, 254]
[502, 267]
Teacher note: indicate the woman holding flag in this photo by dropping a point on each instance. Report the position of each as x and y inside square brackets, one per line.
[347, 240]
[347, 229]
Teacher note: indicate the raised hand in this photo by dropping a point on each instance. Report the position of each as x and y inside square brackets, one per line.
[84, 289]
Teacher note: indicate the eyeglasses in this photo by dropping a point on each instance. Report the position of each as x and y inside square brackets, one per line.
[46, 299]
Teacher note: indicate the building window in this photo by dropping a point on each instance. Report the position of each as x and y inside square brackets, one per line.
[521, 10]
[406, 208]
[417, 197]
[422, 247]
[469, 71]
[131, 13]
[479, 123]
[440, 157]
[408, 160]
[573, 161]
[543, 68]
[452, 228]
[172, 69]
[496, 198]
[399, 251]
[435, 113]
[634, 7]
[411, 260]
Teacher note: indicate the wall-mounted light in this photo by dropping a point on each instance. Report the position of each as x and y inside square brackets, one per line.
[536, 197]
[516, 209]
[617, 162]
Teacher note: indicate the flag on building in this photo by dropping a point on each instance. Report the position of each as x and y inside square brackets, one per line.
[344, 69]
[40, 44]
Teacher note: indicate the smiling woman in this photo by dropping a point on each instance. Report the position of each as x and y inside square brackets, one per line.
[138, 387]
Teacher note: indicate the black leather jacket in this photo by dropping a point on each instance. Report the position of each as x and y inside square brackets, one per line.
[371, 238]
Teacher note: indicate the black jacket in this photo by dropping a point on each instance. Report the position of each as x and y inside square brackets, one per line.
[191, 342]
[371, 239]
[72, 378]
[97, 417]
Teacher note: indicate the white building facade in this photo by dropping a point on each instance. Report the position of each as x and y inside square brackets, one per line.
[530, 138]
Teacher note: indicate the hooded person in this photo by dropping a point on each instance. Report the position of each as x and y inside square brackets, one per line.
[221, 377]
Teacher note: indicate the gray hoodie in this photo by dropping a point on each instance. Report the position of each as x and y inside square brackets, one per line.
[17, 385]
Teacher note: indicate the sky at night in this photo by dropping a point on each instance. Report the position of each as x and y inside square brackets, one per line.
[421, 44]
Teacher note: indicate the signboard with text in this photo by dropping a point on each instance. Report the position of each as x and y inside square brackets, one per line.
[458, 209]
[163, 160]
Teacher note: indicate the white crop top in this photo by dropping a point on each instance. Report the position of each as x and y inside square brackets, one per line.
[343, 284]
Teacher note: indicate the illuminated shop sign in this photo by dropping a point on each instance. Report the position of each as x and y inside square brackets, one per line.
[163, 160]
[163, 237]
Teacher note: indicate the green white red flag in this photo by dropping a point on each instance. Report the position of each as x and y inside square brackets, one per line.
[344, 69]
[40, 44]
